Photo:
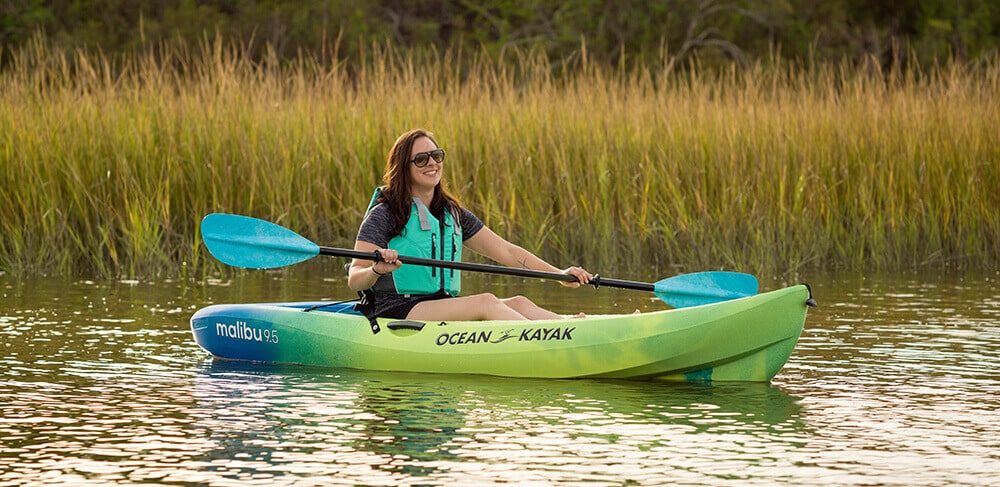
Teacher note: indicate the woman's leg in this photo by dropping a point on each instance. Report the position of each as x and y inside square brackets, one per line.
[529, 309]
[480, 307]
[477, 307]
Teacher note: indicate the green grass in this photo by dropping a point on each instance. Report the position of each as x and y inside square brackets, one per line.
[106, 168]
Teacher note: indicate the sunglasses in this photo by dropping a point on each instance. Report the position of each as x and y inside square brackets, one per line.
[422, 158]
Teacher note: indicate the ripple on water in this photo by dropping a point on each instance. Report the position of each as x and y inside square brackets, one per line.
[893, 382]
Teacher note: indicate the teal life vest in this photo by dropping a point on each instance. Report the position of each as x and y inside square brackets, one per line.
[428, 237]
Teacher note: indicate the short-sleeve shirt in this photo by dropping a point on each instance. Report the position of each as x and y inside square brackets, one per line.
[377, 228]
[378, 225]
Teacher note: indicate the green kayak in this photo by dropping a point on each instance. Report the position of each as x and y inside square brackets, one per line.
[746, 339]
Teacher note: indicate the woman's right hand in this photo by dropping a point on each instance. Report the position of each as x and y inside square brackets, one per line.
[389, 263]
[364, 272]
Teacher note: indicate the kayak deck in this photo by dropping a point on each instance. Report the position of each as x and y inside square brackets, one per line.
[747, 339]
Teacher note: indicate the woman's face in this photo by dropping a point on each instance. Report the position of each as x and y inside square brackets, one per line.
[427, 177]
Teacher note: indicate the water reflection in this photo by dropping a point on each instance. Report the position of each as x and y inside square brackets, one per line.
[900, 372]
[893, 382]
[325, 424]
[412, 425]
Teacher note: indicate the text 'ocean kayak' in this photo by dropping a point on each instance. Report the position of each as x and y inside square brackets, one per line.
[746, 339]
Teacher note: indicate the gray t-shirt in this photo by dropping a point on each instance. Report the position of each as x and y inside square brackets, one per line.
[378, 224]
[377, 229]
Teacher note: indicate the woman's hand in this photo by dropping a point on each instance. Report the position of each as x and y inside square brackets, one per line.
[389, 263]
[363, 272]
[581, 275]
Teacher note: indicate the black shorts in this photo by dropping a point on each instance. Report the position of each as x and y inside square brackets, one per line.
[400, 311]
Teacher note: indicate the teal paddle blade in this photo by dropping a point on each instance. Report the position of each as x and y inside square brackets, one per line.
[243, 241]
[705, 288]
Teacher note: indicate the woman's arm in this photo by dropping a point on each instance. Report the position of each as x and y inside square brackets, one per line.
[363, 273]
[377, 227]
[488, 243]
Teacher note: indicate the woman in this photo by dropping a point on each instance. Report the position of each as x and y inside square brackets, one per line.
[413, 215]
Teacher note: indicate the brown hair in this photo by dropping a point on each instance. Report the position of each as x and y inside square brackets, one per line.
[397, 194]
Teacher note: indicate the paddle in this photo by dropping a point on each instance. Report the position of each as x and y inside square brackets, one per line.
[244, 241]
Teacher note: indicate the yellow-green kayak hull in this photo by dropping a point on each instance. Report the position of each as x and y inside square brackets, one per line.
[747, 339]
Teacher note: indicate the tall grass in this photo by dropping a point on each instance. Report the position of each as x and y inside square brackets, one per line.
[106, 167]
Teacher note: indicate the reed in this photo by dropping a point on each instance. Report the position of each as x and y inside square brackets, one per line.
[109, 165]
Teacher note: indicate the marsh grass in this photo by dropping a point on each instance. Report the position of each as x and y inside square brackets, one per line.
[109, 165]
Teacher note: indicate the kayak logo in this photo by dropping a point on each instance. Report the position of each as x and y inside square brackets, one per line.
[460, 338]
[242, 331]
[504, 336]
[527, 335]
[546, 334]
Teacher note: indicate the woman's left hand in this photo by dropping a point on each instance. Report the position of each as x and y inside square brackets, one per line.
[581, 275]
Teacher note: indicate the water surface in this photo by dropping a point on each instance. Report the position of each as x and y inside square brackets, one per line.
[893, 382]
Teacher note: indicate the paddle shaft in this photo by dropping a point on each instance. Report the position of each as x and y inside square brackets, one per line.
[597, 281]
[257, 244]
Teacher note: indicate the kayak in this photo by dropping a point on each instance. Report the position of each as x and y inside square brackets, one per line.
[745, 339]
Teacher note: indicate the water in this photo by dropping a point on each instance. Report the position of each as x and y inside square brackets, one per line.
[894, 382]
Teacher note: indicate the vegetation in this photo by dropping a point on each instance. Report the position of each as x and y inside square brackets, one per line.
[622, 32]
[106, 167]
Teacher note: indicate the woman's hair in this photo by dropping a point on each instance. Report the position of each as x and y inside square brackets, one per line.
[397, 194]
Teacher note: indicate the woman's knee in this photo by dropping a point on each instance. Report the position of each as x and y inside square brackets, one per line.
[488, 306]
[487, 300]
[518, 302]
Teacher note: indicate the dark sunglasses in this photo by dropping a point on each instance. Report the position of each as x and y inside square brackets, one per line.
[422, 158]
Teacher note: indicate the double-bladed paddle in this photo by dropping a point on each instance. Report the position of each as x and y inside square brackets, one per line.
[249, 242]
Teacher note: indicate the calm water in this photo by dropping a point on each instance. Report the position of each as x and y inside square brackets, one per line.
[894, 382]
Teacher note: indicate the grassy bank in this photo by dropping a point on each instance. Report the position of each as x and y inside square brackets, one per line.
[106, 170]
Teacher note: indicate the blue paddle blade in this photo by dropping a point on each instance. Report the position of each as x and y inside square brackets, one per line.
[243, 241]
[705, 288]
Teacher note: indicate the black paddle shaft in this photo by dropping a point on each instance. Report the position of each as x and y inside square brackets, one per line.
[597, 281]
